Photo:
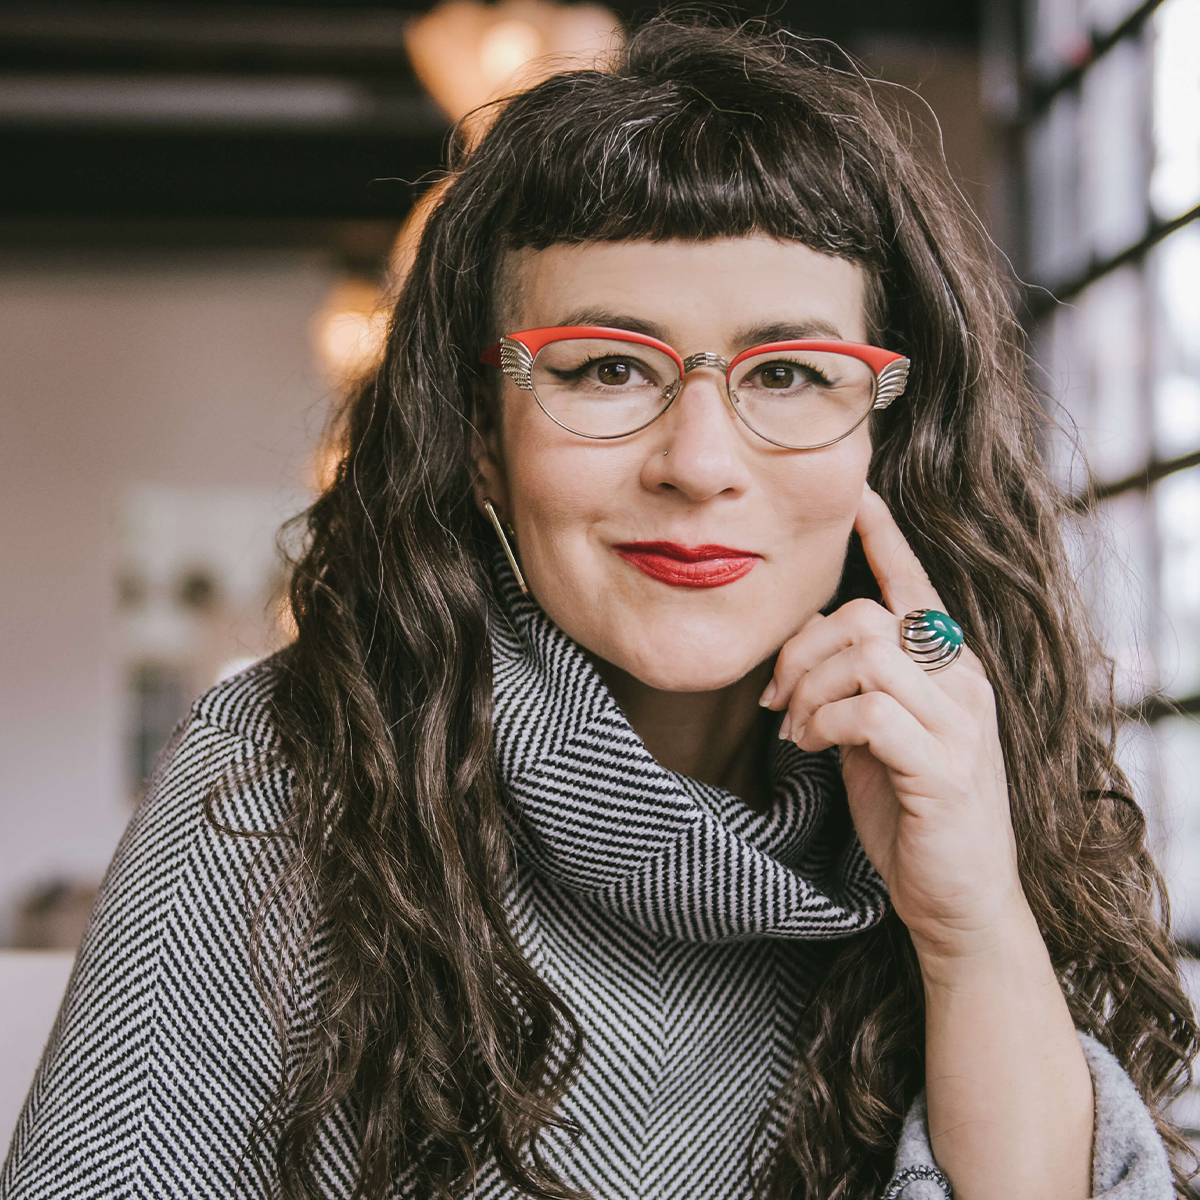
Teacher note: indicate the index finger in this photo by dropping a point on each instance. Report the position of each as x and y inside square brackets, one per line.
[901, 578]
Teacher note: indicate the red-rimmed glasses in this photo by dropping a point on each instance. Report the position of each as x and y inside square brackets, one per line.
[609, 383]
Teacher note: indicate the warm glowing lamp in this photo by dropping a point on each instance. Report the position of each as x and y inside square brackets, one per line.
[505, 48]
[349, 331]
[467, 53]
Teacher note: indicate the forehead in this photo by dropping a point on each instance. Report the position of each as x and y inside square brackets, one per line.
[686, 290]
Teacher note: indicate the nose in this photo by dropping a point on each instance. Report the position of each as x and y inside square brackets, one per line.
[697, 447]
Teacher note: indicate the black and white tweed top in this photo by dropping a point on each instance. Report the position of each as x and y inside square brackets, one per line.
[678, 924]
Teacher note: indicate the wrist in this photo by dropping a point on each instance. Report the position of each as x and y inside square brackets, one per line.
[1002, 950]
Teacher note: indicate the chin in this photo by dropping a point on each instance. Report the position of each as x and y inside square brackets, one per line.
[684, 661]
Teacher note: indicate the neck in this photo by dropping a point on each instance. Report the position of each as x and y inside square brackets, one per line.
[716, 737]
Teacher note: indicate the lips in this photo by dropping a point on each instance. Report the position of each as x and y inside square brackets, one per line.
[688, 566]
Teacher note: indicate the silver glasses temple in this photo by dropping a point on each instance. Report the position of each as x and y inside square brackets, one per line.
[891, 382]
[517, 363]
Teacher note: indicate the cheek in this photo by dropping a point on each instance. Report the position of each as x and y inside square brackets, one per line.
[820, 496]
[558, 489]
[815, 506]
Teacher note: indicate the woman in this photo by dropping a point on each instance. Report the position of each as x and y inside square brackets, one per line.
[499, 881]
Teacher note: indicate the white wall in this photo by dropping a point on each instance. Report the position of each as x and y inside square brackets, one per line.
[184, 369]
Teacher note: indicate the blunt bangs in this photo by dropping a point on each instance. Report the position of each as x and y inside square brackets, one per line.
[661, 150]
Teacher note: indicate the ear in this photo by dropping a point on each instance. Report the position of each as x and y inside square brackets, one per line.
[489, 477]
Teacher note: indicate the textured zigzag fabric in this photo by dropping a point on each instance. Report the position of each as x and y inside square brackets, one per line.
[678, 924]
[679, 859]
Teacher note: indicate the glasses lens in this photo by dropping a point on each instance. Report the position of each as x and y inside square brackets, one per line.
[803, 398]
[603, 387]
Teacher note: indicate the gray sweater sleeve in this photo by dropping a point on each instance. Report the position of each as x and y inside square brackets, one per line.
[1129, 1161]
[164, 1052]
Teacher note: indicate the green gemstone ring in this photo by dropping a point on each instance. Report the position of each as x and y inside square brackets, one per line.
[931, 638]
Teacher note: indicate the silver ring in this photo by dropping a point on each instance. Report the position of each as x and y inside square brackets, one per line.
[932, 639]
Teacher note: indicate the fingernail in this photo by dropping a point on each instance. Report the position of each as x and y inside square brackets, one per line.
[783, 729]
[799, 734]
[767, 696]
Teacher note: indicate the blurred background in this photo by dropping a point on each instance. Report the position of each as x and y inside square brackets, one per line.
[205, 206]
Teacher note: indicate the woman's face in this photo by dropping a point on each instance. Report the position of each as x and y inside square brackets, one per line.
[696, 477]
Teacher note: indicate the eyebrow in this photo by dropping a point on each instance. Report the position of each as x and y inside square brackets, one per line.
[752, 335]
[612, 320]
[787, 331]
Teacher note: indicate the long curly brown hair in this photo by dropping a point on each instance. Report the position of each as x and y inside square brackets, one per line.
[431, 1029]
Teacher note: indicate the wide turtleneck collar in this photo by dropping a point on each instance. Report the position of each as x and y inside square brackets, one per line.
[680, 858]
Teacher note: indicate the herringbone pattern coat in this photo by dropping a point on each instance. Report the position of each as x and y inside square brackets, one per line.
[678, 924]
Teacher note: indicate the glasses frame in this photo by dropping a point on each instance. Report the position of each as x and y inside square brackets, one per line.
[514, 354]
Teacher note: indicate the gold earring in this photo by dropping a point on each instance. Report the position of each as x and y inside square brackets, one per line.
[494, 517]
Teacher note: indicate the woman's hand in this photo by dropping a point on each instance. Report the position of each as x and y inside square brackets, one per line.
[1010, 1097]
[921, 753]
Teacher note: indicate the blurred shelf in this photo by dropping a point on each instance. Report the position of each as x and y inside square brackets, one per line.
[361, 39]
[76, 174]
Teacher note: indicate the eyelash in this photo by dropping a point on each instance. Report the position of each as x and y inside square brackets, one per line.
[804, 368]
[591, 362]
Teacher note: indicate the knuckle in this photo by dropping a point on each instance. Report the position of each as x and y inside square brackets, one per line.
[876, 707]
[861, 609]
[877, 653]
[790, 657]
[865, 618]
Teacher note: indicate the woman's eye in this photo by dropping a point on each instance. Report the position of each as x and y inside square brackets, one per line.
[785, 376]
[777, 375]
[614, 372]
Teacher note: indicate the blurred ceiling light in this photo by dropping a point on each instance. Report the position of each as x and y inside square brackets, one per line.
[349, 331]
[505, 49]
[466, 52]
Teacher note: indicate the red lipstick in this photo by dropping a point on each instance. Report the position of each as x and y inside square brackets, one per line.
[688, 566]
